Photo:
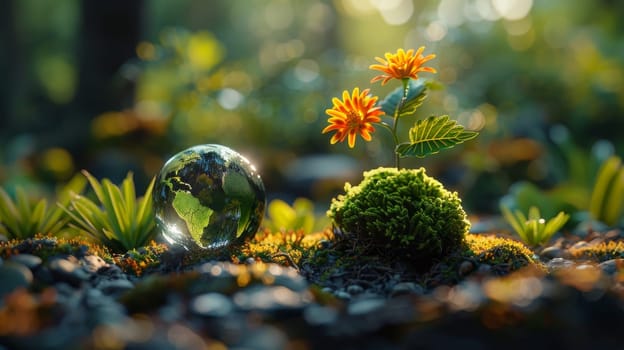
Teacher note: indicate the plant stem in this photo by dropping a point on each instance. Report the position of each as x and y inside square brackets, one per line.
[405, 82]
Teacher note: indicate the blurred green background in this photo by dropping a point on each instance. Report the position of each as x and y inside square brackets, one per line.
[117, 86]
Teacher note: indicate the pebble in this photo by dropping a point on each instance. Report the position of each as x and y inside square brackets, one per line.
[14, 275]
[114, 286]
[28, 260]
[93, 263]
[466, 267]
[65, 270]
[551, 252]
[579, 245]
[362, 307]
[355, 289]
[269, 298]
[610, 267]
[484, 269]
[212, 305]
[341, 294]
[403, 288]
[559, 263]
[317, 315]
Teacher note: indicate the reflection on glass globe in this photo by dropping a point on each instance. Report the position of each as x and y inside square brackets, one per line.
[208, 196]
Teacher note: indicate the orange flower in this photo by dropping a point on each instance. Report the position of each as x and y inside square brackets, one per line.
[353, 115]
[402, 65]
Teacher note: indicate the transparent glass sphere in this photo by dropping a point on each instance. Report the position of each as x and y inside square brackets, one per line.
[208, 197]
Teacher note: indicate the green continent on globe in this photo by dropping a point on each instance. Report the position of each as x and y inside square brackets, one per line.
[192, 212]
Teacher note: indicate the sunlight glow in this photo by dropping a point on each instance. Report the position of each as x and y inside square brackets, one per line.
[512, 9]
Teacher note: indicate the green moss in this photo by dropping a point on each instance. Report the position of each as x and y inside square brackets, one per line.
[402, 209]
[600, 252]
[498, 251]
[48, 246]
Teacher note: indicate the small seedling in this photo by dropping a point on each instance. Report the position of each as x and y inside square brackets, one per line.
[534, 230]
[120, 220]
[22, 218]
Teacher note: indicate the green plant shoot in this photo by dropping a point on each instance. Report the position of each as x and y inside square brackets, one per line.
[120, 220]
[534, 230]
[607, 198]
[22, 218]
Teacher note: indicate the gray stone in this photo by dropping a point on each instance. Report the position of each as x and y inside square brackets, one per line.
[355, 289]
[484, 269]
[406, 288]
[466, 267]
[212, 305]
[559, 263]
[579, 245]
[610, 267]
[65, 270]
[341, 294]
[551, 252]
[28, 260]
[114, 286]
[14, 275]
[93, 263]
[270, 298]
[317, 315]
[362, 307]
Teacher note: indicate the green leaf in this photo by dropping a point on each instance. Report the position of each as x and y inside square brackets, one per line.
[416, 94]
[431, 135]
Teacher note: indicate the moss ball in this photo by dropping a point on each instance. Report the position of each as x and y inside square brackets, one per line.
[402, 209]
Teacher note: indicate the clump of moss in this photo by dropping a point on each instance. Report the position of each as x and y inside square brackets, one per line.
[499, 252]
[49, 246]
[402, 210]
[600, 252]
[283, 246]
[139, 260]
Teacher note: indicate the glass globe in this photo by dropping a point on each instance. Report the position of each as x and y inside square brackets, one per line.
[208, 197]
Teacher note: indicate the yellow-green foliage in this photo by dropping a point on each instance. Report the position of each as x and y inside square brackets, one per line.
[607, 198]
[299, 216]
[600, 252]
[495, 250]
[24, 218]
[403, 209]
[120, 220]
[283, 246]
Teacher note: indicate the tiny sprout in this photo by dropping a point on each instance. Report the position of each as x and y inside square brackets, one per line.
[534, 230]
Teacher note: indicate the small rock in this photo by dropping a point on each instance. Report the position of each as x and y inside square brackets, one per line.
[612, 235]
[340, 294]
[406, 288]
[484, 269]
[559, 263]
[264, 338]
[13, 275]
[466, 267]
[317, 315]
[93, 263]
[610, 267]
[212, 305]
[115, 286]
[551, 252]
[579, 245]
[269, 298]
[67, 271]
[28, 260]
[362, 307]
[355, 289]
